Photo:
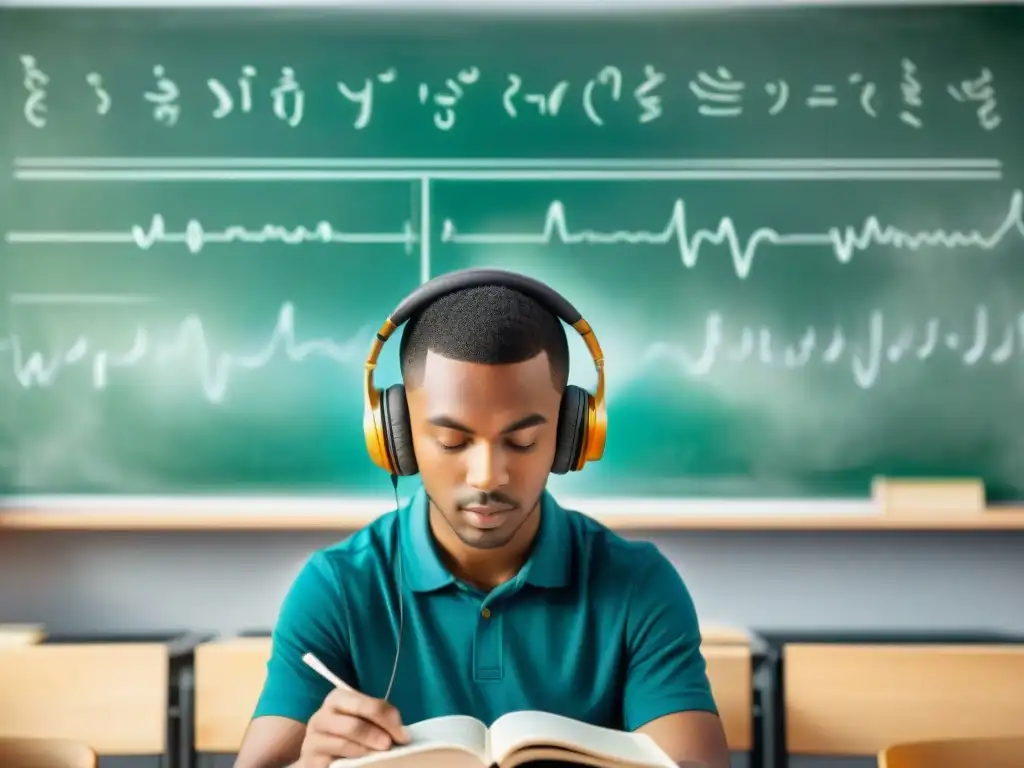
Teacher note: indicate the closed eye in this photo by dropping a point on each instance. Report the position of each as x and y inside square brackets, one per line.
[517, 447]
[450, 448]
[520, 448]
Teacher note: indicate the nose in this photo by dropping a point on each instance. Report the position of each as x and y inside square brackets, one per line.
[488, 468]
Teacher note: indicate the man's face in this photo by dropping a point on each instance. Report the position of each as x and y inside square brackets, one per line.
[484, 437]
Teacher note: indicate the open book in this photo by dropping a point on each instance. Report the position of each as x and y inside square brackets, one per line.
[515, 739]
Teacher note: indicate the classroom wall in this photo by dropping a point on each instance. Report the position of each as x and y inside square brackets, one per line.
[227, 581]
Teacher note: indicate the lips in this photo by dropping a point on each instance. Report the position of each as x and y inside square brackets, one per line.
[485, 510]
[485, 517]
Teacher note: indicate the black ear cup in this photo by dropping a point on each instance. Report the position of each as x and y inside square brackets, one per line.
[572, 429]
[397, 430]
[570, 438]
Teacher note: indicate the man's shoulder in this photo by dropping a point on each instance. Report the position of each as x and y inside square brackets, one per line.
[614, 554]
[616, 567]
[367, 552]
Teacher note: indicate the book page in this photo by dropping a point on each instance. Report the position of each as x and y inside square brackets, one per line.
[530, 728]
[465, 734]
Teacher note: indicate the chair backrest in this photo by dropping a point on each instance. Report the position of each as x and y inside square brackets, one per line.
[229, 676]
[849, 699]
[992, 752]
[111, 696]
[45, 753]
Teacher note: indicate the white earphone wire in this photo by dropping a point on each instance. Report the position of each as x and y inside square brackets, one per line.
[401, 621]
[400, 587]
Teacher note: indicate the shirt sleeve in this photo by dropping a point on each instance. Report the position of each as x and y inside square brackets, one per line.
[666, 670]
[311, 620]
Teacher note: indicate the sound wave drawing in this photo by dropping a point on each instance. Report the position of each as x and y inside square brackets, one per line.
[993, 339]
[844, 242]
[195, 237]
[189, 342]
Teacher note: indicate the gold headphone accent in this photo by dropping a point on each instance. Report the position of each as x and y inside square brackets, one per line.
[373, 429]
[597, 414]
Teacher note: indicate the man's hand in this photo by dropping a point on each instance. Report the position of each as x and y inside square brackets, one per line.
[349, 724]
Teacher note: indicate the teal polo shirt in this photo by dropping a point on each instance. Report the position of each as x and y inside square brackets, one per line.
[593, 627]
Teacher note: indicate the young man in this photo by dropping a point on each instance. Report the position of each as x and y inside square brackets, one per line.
[482, 595]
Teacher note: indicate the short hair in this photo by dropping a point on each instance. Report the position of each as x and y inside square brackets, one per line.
[487, 324]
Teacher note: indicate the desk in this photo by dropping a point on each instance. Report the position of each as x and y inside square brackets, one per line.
[229, 676]
[117, 693]
[853, 693]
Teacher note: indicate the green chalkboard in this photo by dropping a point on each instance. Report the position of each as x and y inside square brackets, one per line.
[797, 232]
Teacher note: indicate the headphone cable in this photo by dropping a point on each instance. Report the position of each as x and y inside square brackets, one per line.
[400, 588]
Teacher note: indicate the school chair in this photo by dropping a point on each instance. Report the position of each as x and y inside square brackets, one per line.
[229, 676]
[854, 699]
[992, 752]
[730, 672]
[734, 656]
[45, 753]
[116, 693]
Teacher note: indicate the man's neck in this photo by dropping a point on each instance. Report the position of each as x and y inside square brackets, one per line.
[485, 568]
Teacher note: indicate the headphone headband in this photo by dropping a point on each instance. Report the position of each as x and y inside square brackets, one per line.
[594, 427]
[451, 282]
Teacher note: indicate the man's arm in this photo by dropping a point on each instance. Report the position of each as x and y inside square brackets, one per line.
[691, 739]
[311, 620]
[271, 742]
[667, 692]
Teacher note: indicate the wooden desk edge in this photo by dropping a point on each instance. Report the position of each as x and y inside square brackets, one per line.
[233, 644]
[166, 519]
[725, 635]
[914, 648]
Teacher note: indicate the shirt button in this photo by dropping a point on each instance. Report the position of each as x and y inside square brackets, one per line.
[486, 613]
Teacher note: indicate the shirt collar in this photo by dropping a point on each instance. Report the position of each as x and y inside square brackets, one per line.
[549, 563]
[421, 563]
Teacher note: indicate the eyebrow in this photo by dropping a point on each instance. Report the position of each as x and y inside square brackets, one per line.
[533, 420]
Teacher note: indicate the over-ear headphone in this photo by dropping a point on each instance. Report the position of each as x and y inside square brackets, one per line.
[582, 418]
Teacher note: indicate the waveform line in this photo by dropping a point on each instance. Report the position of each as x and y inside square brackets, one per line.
[214, 370]
[266, 175]
[87, 299]
[844, 242]
[195, 237]
[431, 164]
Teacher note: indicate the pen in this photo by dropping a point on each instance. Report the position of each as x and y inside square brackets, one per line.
[318, 666]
